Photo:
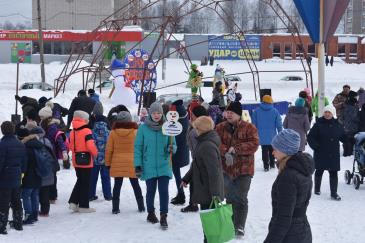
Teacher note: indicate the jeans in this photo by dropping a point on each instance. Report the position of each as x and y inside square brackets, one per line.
[177, 175]
[267, 156]
[30, 198]
[105, 181]
[236, 191]
[80, 193]
[163, 190]
[44, 199]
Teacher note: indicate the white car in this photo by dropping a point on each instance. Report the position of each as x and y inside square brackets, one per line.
[291, 78]
[36, 85]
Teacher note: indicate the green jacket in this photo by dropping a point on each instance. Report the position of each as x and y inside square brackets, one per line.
[314, 105]
[151, 153]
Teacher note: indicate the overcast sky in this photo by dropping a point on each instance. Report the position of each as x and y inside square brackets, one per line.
[13, 7]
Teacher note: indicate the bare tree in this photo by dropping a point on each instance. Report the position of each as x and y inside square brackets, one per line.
[8, 25]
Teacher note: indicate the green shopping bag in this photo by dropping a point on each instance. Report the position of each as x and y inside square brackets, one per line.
[217, 222]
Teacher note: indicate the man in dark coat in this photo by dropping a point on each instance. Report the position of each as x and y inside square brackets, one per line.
[12, 163]
[362, 119]
[27, 103]
[291, 191]
[339, 101]
[350, 125]
[324, 138]
[240, 141]
[181, 157]
[81, 102]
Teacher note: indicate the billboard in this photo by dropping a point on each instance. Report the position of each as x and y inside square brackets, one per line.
[21, 52]
[230, 47]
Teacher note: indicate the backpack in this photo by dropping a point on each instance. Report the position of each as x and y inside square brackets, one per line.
[100, 136]
[45, 162]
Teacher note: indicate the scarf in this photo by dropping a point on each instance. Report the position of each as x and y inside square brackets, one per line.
[155, 126]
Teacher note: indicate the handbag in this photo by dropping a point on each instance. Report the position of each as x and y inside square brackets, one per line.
[81, 158]
[217, 222]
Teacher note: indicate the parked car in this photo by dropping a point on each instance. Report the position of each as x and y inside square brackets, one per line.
[291, 78]
[36, 85]
[106, 84]
[170, 98]
[228, 79]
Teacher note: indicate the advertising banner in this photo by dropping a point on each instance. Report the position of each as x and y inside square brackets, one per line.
[231, 47]
[21, 52]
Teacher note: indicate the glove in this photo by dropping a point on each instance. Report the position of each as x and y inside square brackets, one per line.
[64, 156]
[17, 97]
[138, 170]
[229, 159]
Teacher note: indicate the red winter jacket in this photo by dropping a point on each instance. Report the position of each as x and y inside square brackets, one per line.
[84, 142]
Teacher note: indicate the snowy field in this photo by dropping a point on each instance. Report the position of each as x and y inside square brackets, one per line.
[331, 221]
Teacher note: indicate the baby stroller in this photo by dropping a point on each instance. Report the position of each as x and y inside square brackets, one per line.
[359, 157]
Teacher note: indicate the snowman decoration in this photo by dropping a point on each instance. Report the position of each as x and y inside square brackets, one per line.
[172, 127]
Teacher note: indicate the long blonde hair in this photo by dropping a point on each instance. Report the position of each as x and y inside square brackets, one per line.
[282, 163]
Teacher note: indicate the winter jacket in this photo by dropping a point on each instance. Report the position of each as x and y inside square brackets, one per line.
[84, 142]
[315, 104]
[95, 97]
[268, 122]
[206, 171]
[297, 119]
[309, 110]
[31, 104]
[151, 152]
[120, 149]
[218, 98]
[324, 138]
[191, 140]
[82, 103]
[31, 179]
[13, 160]
[181, 157]
[244, 139]
[350, 118]
[339, 103]
[59, 112]
[362, 119]
[290, 195]
[361, 99]
[50, 126]
[100, 136]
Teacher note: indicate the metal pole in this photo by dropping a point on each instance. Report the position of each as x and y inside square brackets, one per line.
[163, 43]
[321, 65]
[41, 47]
[17, 87]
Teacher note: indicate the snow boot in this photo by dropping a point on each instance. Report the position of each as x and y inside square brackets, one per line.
[93, 198]
[240, 233]
[73, 207]
[17, 222]
[66, 164]
[3, 223]
[335, 197]
[190, 208]
[163, 221]
[178, 200]
[140, 203]
[28, 219]
[115, 204]
[151, 217]
[87, 210]
[317, 185]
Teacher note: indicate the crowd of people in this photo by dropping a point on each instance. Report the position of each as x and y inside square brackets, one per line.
[222, 151]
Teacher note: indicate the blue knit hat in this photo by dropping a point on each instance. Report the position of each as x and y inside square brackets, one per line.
[300, 102]
[287, 142]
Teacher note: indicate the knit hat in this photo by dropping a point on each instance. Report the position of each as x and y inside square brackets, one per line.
[7, 128]
[43, 100]
[81, 93]
[300, 102]
[331, 109]
[45, 112]
[22, 132]
[199, 111]
[124, 116]
[203, 124]
[81, 114]
[156, 107]
[303, 94]
[91, 91]
[235, 107]
[267, 99]
[287, 142]
[98, 109]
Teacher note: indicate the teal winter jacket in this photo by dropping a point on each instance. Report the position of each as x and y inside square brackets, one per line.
[151, 152]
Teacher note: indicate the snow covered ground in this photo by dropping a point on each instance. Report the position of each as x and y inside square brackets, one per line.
[330, 221]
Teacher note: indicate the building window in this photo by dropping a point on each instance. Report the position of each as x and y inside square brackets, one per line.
[47, 46]
[353, 51]
[82, 48]
[276, 49]
[312, 50]
[57, 48]
[288, 50]
[299, 50]
[341, 50]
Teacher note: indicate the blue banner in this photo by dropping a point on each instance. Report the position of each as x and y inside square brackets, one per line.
[231, 47]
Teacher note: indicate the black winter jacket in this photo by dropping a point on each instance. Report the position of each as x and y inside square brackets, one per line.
[290, 194]
[31, 179]
[82, 103]
[206, 171]
[13, 159]
[181, 157]
[324, 138]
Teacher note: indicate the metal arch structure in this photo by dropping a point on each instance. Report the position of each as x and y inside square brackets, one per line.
[164, 25]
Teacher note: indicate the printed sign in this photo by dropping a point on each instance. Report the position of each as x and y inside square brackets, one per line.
[140, 69]
[231, 47]
[21, 52]
[172, 127]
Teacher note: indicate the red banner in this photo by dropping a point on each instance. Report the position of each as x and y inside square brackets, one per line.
[19, 35]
